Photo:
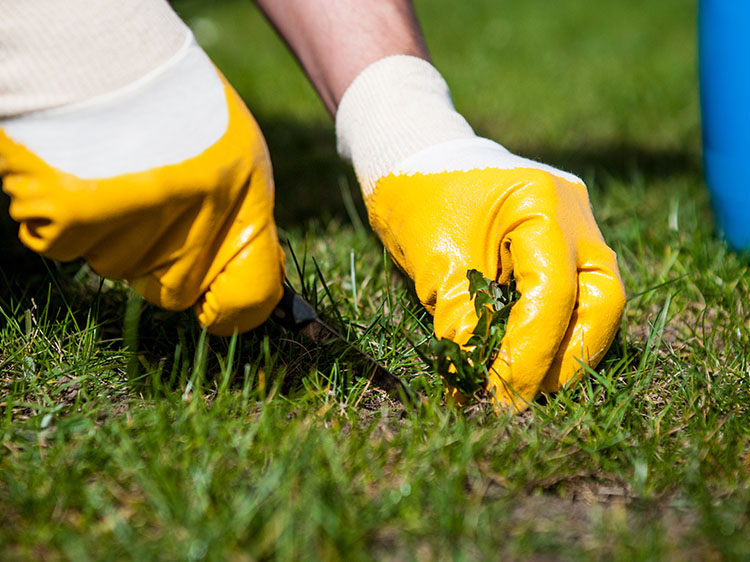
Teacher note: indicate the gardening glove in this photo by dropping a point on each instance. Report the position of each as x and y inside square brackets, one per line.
[165, 182]
[444, 201]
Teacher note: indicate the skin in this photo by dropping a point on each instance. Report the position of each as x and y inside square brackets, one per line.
[334, 40]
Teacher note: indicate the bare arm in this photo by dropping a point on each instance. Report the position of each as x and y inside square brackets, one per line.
[335, 40]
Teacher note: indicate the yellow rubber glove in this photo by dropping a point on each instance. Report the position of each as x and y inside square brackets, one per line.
[444, 201]
[166, 183]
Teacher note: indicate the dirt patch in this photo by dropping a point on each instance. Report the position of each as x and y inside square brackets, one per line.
[696, 326]
[66, 395]
[547, 528]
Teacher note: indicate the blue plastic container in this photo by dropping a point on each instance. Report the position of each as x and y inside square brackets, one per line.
[724, 51]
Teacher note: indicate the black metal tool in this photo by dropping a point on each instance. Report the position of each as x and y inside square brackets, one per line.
[296, 314]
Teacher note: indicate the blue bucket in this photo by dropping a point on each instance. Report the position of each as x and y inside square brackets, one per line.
[724, 51]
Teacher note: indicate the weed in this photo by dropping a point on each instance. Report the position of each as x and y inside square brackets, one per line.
[466, 368]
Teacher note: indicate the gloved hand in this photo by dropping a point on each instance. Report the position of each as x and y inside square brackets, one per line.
[444, 201]
[165, 183]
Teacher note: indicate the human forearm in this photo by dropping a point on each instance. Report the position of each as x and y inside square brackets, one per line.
[335, 40]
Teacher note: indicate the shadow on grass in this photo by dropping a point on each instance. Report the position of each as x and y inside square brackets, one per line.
[620, 161]
[309, 174]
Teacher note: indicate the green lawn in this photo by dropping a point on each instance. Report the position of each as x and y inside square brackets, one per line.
[262, 447]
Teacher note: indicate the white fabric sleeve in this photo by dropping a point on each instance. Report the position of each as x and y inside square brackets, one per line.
[173, 113]
[394, 108]
[55, 52]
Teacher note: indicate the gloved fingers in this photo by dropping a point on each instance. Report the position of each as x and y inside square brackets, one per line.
[544, 265]
[594, 323]
[245, 292]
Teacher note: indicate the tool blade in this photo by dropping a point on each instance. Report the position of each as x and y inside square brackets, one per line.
[296, 314]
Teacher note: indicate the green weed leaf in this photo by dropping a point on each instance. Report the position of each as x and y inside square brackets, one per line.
[467, 369]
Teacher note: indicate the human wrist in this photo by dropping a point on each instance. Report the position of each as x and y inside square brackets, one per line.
[394, 108]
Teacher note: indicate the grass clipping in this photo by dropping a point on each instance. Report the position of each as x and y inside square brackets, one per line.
[467, 368]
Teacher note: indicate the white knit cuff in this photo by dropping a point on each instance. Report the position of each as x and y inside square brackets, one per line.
[394, 108]
[54, 53]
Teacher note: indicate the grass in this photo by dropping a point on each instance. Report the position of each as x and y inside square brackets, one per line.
[261, 447]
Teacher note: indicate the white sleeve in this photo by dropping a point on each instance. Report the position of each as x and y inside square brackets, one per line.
[55, 52]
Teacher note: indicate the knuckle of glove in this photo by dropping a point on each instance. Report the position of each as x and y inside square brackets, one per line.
[245, 293]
